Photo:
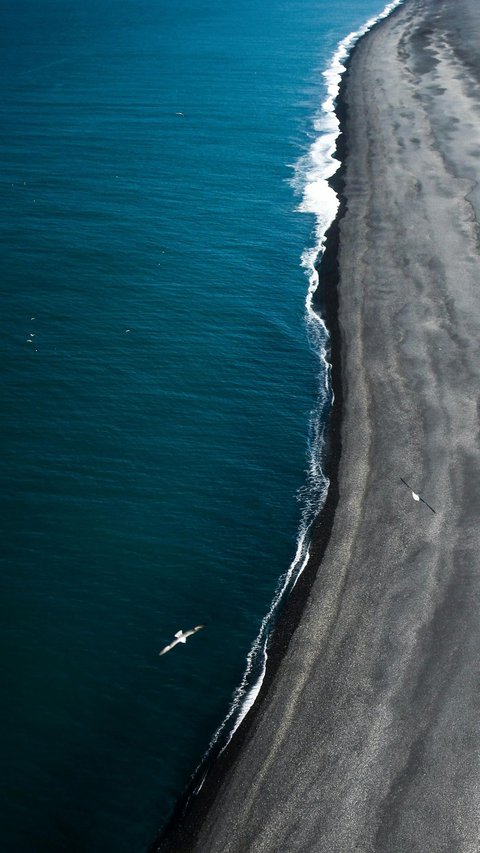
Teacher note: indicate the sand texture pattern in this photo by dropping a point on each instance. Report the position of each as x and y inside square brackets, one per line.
[369, 736]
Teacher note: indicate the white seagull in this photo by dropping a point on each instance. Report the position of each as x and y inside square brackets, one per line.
[181, 637]
[417, 497]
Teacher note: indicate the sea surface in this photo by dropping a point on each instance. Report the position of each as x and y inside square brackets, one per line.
[164, 385]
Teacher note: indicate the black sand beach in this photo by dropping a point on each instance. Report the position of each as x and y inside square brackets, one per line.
[367, 733]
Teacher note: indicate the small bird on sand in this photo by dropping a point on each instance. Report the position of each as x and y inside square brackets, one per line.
[181, 637]
[417, 497]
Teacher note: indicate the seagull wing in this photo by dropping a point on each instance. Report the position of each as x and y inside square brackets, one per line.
[192, 631]
[167, 649]
[427, 504]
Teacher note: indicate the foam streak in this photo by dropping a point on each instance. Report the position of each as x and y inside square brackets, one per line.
[311, 176]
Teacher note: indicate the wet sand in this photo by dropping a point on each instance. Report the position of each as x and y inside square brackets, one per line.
[368, 737]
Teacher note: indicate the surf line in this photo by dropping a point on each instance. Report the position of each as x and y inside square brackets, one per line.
[311, 179]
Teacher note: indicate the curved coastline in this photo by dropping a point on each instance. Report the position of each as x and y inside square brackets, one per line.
[181, 831]
[366, 734]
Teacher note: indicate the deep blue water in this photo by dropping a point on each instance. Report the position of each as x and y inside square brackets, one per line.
[149, 477]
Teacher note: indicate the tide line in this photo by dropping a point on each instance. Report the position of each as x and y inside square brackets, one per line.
[311, 179]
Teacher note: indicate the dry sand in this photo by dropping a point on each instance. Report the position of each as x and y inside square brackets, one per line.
[369, 737]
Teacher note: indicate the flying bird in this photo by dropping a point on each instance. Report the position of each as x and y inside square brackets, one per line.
[417, 497]
[181, 637]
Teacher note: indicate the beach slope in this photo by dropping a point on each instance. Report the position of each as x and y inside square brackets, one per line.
[368, 738]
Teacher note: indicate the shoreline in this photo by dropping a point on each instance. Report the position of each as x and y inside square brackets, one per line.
[180, 833]
[181, 830]
[365, 734]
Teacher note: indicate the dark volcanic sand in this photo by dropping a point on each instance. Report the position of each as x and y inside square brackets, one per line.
[368, 738]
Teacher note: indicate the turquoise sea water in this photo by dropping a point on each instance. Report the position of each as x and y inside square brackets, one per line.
[157, 389]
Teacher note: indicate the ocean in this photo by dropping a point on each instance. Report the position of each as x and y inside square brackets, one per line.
[165, 386]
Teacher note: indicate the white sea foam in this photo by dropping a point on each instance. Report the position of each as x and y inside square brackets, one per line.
[311, 172]
[310, 180]
[246, 692]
